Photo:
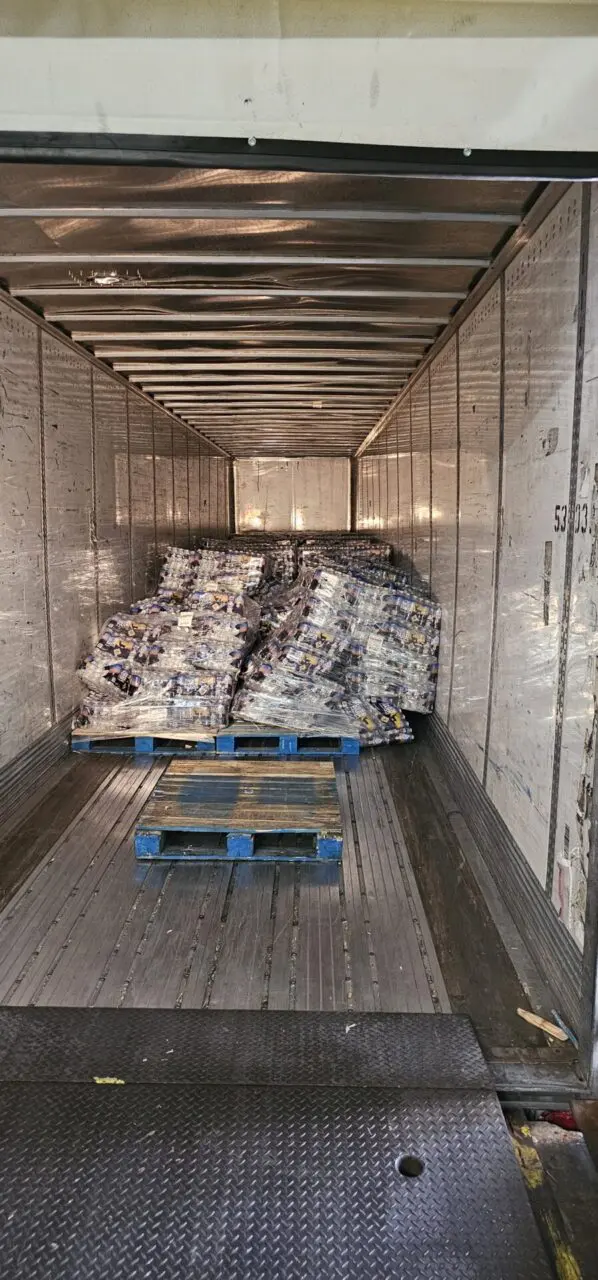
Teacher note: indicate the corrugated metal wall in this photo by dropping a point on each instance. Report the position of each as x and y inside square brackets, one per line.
[279, 494]
[95, 484]
[494, 498]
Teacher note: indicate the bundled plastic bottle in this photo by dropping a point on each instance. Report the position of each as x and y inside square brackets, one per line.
[360, 650]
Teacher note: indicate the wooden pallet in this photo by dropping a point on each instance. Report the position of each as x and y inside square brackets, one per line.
[267, 810]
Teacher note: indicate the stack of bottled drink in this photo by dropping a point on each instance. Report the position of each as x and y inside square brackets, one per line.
[360, 651]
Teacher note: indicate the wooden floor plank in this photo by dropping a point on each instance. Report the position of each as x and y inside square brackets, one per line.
[391, 925]
[320, 965]
[239, 981]
[203, 956]
[363, 976]
[113, 981]
[280, 993]
[157, 979]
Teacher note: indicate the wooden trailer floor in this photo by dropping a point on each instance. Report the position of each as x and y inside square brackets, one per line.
[90, 927]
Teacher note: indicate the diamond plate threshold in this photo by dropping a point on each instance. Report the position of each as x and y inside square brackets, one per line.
[246, 1145]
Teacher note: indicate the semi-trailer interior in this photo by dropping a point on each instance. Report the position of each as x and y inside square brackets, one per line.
[190, 349]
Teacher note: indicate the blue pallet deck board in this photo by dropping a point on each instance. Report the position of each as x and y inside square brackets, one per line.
[251, 741]
[236, 742]
[267, 810]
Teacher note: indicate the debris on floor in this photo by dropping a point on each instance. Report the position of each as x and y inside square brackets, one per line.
[550, 1028]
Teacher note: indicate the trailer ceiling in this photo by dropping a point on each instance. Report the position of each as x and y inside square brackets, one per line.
[278, 312]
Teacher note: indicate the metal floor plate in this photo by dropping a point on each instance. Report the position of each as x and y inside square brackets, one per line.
[271, 1181]
[161, 1046]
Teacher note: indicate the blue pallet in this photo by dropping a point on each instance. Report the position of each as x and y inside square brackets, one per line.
[254, 744]
[240, 846]
[258, 743]
[248, 811]
[145, 745]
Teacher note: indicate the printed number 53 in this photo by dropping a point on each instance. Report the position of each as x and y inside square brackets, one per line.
[581, 517]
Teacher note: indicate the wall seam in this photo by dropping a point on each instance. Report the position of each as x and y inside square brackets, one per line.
[588, 1040]
[200, 513]
[130, 496]
[232, 506]
[155, 576]
[44, 516]
[386, 459]
[93, 526]
[457, 522]
[173, 472]
[398, 493]
[188, 500]
[499, 526]
[411, 465]
[430, 484]
[584, 240]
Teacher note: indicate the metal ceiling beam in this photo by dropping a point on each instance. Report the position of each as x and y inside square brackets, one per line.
[261, 366]
[224, 427]
[232, 441]
[182, 291]
[296, 316]
[227, 438]
[327, 405]
[313, 384]
[171, 258]
[235, 423]
[258, 395]
[232, 425]
[198, 395]
[330, 411]
[369, 376]
[252, 355]
[233, 413]
[225, 354]
[259, 212]
[283, 413]
[289, 448]
[293, 390]
[247, 336]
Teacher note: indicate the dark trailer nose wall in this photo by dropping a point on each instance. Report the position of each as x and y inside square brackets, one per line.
[413, 338]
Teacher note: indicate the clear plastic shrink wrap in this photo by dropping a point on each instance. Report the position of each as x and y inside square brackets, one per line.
[173, 662]
[363, 651]
[350, 548]
[347, 648]
[279, 550]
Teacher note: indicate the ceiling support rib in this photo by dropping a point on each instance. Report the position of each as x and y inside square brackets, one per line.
[260, 212]
[271, 309]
